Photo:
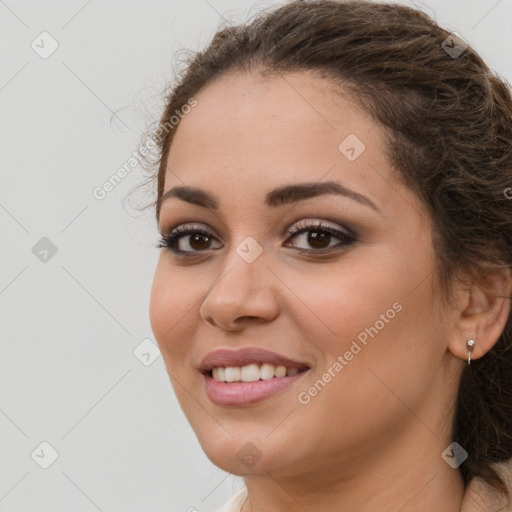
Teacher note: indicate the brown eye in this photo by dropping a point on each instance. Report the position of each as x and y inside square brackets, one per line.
[187, 239]
[199, 242]
[319, 240]
[320, 235]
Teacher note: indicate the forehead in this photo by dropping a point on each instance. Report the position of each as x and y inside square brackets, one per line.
[250, 133]
[282, 111]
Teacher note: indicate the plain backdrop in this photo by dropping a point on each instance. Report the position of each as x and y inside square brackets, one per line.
[83, 389]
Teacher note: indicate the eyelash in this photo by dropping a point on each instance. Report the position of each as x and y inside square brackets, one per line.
[171, 240]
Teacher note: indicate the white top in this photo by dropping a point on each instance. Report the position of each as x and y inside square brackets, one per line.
[235, 503]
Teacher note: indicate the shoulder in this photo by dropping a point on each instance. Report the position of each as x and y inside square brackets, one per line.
[480, 497]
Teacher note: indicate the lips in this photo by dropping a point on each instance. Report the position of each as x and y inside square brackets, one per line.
[245, 356]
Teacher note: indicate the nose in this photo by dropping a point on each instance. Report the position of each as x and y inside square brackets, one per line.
[244, 293]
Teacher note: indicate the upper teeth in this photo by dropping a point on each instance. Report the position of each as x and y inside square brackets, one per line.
[251, 372]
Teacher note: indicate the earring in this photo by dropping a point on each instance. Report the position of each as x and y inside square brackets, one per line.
[470, 344]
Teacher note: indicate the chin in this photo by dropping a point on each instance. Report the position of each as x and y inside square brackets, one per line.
[245, 454]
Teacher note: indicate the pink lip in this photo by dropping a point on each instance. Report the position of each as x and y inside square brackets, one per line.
[246, 393]
[245, 356]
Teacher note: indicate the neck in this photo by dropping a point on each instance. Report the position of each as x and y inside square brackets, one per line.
[407, 476]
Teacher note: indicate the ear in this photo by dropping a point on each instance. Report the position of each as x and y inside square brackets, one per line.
[482, 313]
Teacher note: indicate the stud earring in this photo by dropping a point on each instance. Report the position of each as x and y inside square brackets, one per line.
[470, 345]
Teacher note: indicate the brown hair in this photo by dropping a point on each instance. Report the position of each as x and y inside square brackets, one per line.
[448, 122]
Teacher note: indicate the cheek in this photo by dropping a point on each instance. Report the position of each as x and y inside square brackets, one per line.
[171, 312]
[389, 375]
[391, 349]
[380, 319]
[339, 302]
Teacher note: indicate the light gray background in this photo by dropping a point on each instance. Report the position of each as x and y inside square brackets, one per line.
[70, 325]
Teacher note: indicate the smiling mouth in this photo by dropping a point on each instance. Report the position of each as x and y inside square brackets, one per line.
[252, 372]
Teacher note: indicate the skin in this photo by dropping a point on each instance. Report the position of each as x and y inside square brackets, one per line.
[372, 438]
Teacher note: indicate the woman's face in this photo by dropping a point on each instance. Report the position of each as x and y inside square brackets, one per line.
[356, 302]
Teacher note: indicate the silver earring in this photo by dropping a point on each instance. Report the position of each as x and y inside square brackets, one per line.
[470, 345]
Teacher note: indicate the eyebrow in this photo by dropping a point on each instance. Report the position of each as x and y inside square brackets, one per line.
[277, 197]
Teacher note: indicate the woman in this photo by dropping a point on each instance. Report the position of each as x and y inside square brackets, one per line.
[332, 298]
